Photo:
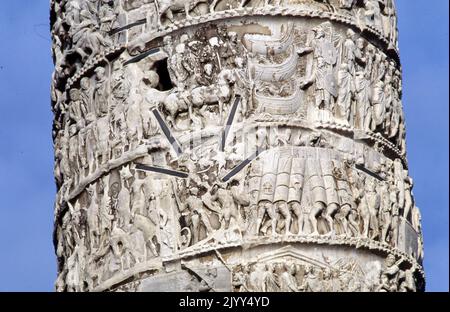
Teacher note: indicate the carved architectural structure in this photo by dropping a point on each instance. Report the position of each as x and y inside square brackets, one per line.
[231, 145]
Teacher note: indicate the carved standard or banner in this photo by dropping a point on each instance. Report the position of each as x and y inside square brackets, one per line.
[231, 145]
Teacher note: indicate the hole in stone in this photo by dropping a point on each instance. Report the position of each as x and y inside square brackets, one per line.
[161, 68]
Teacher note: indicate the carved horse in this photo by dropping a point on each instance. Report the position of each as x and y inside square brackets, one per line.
[167, 7]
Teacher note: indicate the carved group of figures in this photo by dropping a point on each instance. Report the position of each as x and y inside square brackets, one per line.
[81, 30]
[204, 69]
[118, 222]
[310, 193]
[344, 275]
[106, 116]
[357, 83]
[312, 196]
[346, 79]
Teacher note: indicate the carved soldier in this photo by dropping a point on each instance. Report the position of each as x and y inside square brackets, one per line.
[264, 207]
[196, 212]
[332, 197]
[296, 194]
[316, 187]
[346, 201]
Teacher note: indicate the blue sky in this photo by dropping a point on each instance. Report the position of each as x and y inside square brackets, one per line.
[27, 261]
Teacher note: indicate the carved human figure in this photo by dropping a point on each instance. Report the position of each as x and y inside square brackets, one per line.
[92, 217]
[346, 93]
[295, 196]
[331, 191]
[229, 213]
[107, 17]
[77, 108]
[353, 223]
[373, 202]
[268, 207]
[288, 282]
[385, 211]
[270, 279]
[178, 65]
[73, 151]
[313, 281]
[86, 98]
[105, 215]
[124, 199]
[133, 118]
[409, 202]
[390, 274]
[325, 58]
[152, 98]
[363, 85]
[389, 104]
[84, 30]
[139, 197]
[82, 150]
[409, 282]
[91, 147]
[346, 202]
[102, 132]
[101, 92]
[350, 51]
[315, 183]
[372, 14]
[194, 207]
[395, 221]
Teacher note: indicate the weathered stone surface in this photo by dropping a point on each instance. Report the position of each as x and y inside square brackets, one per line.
[231, 145]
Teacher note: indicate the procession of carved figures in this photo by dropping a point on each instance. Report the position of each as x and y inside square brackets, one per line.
[128, 218]
[317, 104]
[344, 275]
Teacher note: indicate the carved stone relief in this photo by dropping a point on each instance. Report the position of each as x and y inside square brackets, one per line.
[181, 132]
